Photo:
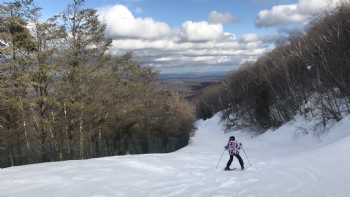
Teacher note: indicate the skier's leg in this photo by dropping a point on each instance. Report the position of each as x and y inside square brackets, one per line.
[240, 161]
[229, 163]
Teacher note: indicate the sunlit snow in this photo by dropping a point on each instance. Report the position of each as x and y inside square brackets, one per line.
[285, 162]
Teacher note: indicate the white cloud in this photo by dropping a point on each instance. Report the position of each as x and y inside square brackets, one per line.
[300, 12]
[250, 37]
[201, 31]
[309, 7]
[121, 23]
[173, 53]
[194, 43]
[280, 15]
[220, 18]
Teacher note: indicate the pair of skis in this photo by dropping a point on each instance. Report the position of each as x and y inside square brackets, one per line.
[231, 169]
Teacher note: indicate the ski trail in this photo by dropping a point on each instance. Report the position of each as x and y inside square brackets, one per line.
[282, 166]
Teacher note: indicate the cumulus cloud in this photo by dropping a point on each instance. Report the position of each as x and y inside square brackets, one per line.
[220, 18]
[201, 31]
[168, 53]
[250, 37]
[301, 12]
[194, 43]
[280, 15]
[121, 23]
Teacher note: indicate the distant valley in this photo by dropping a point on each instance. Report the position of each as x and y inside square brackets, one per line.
[190, 85]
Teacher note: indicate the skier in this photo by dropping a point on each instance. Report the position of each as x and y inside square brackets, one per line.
[233, 148]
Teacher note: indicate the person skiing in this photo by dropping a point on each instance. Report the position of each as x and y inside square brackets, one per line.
[233, 148]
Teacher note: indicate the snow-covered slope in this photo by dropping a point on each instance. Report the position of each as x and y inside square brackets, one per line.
[285, 163]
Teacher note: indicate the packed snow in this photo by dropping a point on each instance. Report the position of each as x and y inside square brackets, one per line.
[290, 161]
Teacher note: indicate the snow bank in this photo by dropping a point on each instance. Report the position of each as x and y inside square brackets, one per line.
[289, 161]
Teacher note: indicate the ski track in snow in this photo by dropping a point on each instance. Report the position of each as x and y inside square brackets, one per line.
[282, 166]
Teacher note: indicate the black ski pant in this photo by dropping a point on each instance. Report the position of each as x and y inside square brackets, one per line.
[231, 159]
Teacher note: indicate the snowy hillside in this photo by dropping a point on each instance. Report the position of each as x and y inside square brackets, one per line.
[285, 163]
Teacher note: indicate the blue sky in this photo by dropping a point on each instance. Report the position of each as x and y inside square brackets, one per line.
[175, 12]
[197, 35]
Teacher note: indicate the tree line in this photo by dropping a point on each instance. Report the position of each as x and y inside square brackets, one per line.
[308, 74]
[63, 96]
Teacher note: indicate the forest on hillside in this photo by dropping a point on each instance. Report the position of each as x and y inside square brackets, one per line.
[63, 96]
[308, 74]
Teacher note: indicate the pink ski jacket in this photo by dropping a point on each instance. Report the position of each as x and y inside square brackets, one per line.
[233, 147]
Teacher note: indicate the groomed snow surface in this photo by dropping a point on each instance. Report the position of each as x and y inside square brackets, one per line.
[285, 162]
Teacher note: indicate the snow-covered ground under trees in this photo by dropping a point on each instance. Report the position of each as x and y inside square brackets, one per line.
[286, 162]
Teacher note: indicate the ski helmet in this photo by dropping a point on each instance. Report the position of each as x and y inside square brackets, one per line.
[232, 138]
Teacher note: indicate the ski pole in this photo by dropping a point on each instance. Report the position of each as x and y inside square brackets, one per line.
[246, 156]
[222, 154]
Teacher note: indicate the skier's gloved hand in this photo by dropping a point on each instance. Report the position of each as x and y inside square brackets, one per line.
[239, 146]
[226, 147]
